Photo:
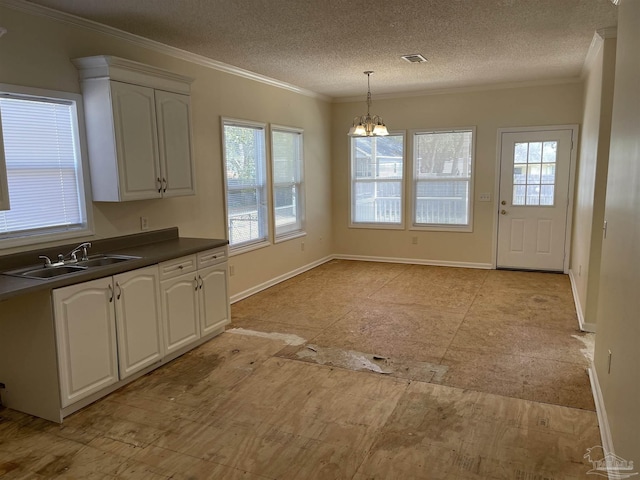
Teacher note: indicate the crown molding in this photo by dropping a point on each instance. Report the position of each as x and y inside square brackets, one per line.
[467, 89]
[33, 9]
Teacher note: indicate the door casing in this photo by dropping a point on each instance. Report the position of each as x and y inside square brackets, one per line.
[572, 175]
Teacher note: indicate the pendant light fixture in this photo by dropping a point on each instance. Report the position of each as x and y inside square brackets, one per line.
[367, 125]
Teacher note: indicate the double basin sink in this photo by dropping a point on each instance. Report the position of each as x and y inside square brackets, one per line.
[46, 272]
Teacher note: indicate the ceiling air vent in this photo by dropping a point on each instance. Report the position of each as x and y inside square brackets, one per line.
[414, 58]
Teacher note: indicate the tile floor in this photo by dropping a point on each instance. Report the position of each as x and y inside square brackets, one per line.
[363, 371]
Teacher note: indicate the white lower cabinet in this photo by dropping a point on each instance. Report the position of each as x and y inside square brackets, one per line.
[214, 303]
[87, 317]
[138, 320]
[86, 339]
[180, 311]
[194, 297]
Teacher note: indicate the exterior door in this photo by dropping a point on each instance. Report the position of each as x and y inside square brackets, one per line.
[535, 171]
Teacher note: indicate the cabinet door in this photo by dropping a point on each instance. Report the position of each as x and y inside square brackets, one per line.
[138, 319]
[86, 338]
[174, 133]
[179, 297]
[214, 301]
[134, 118]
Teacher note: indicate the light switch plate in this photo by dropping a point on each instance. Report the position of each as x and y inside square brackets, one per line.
[484, 197]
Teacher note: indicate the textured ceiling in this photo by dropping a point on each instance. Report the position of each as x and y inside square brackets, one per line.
[325, 45]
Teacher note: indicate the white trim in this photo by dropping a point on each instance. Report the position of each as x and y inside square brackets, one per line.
[157, 46]
[280, 278]
[584, 327]
[603, 421]
[413, 261]
[289, 236]
[572, 175]
[597, 41]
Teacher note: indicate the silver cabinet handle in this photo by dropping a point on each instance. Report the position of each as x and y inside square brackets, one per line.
[195, 279]
[119, 291]
[110, 294]
[159, 182]
[164, 183]
[201, 282]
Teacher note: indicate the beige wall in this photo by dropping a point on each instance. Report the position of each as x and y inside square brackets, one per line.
[488, 110]
[591, 179]
[36, 51]
[619, 301]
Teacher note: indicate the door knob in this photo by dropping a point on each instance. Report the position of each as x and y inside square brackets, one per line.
[503, 212]
[503, 202]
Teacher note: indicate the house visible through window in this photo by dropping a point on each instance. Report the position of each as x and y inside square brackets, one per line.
[377, 171]
[245, 166]
[44, 168]
[442, 168]
[286, 157]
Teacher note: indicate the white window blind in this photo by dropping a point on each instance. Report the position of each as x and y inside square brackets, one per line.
[245, 164]
[43, 161]
[442, 167]
[377, 176]
[287, 161]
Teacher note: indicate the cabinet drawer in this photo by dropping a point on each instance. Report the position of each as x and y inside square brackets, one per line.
[173, 268]
[212, 257]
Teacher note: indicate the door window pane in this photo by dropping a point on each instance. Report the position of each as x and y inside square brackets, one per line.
[534, 182]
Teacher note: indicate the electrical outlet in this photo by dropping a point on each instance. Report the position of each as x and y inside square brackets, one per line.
[414, 240]
[484, 197]
[144, 223]
[232, 270]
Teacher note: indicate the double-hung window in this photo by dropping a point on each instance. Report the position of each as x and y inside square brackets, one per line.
[244, 154]
[442, 179]
[44, 166]
[377, 181]
[288, 184]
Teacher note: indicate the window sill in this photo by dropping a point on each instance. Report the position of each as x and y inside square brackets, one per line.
[443, 228]
[290, 236]
[233, 251]
[377, 226]
[35, 239]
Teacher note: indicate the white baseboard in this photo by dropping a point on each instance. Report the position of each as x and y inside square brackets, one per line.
[415, 261]
[280, 278]
[603, 422]
[584, 326]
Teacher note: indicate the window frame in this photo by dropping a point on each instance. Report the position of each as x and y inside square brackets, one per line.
[441, 227]
[301, 197]
[403, 191]
[266, 240]
[51, 234]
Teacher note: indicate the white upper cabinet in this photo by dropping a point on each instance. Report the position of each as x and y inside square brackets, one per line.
[138, 130]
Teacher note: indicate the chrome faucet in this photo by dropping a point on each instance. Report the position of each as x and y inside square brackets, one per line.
[85, 255]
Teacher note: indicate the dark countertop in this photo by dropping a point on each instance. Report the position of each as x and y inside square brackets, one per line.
[152, 248]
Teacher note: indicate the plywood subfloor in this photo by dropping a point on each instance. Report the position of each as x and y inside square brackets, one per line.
[249, 407]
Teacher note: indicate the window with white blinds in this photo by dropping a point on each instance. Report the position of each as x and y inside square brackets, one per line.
[246, 176]
[287, 166]
[44, 168]
[442, 179]
[377, 181]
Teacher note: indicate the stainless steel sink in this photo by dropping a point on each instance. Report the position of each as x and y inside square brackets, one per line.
[103, 260]
[44, 273]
